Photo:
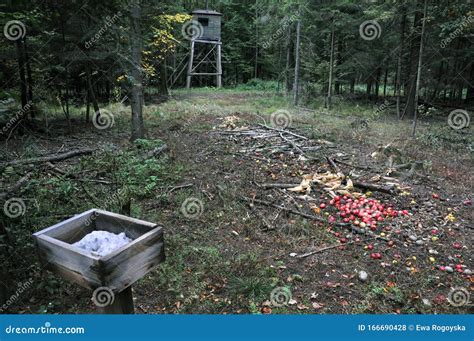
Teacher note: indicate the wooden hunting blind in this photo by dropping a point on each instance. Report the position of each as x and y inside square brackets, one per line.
[210, 22]
[117, 270]
[205, 56]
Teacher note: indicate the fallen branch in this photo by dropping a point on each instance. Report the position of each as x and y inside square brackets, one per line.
[304, 255]
[156, 151]
[50, 158]
[277, 185]
[289, 210]
[19, 184]
[292, 144]
[374, 188]
[307, 254]
[333, 165]
[283, 131]
[179, 187]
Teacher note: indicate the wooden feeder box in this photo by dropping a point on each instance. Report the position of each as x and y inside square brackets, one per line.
[210, 22]
[117, 270]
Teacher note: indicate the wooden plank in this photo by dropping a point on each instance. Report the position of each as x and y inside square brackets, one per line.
[212, 42]
[72, 229]
[70, 262]
[130, 263]
[206, 74]
[219, 67]
[116, 223]
[190, 66]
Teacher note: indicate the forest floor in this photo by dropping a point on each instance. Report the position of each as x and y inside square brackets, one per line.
[236, 250]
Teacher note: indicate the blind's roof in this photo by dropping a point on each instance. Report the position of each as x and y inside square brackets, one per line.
[206, 12]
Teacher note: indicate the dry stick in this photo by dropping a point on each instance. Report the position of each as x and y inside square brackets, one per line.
[333, 165]
[374, 188]
[304, 255]
[56, 157]
[20, 183]
[289, 210]
[179, 187]
[292, 144]
[283, 131]
[277, 185]
[156, 151]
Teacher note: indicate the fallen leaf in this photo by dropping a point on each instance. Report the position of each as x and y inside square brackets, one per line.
[317, 305]
[292, 302]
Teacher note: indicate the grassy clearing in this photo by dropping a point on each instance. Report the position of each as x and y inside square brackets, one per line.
[215, 264]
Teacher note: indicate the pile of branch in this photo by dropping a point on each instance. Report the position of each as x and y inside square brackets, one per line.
[274, 140]
[266, 141]
[42, 159]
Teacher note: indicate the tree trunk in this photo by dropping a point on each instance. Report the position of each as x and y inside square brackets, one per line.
[163, 85]
[296, 90]
[414, 55]
[398, 85]
[21, 69]
[256, 42]
[338, 61]
[377, 82]
[95, 104]
[288, 63]
[88, 103]
[470, 86]
[418, 74]
[29, 78]
[385, 78]
[435, 94]
[331, 70]
[138, 128]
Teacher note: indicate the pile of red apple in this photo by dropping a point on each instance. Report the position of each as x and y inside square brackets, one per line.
[361, 211]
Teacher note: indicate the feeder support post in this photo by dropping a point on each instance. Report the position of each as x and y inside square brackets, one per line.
[123, 303]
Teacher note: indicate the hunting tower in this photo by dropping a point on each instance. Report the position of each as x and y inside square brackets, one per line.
[205, 54]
